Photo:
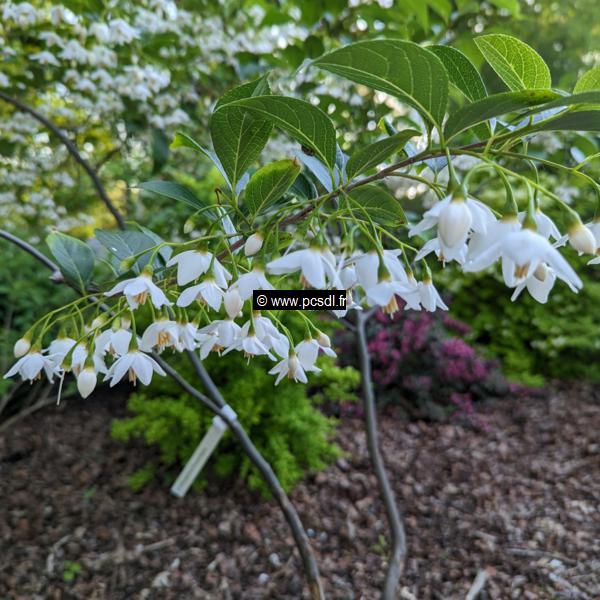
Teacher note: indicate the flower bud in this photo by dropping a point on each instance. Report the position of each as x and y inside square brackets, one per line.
[21, 347]
[253, 244]
[233, 302]
[582, 239]
[454, 223]
[98, 321]
[86, 381]
[292, 366]
[323, 340]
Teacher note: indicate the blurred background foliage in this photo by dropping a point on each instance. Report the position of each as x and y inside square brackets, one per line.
[121, 77]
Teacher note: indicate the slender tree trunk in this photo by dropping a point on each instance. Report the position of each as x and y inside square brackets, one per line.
[398, 541]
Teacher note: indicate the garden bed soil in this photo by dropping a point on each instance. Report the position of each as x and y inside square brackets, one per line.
[517, 504]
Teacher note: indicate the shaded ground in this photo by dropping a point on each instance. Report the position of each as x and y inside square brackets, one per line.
[521, 500]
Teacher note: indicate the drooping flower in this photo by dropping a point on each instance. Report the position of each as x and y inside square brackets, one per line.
[247, 341]
[429, 296]
[270, 336]
[137, 365]
[480, 214]
[254, 280]
[308, 352]
[317, 269]
[289, 367]
[59, 348]
[31, 365]
[521, 253]
[187, 334]
[193, 263]
[219, 335]
[114, 341]
[160, 335]
[480, 242]
[538, 285]
[208, 292]
[138, 289]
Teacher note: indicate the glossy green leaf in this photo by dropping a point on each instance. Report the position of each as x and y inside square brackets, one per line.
[125, 244]
[584, 120]
[401, 68]
[175, 191]
[588, 81]
[377, 152]
[269, 183]
[461, 71]
[378, 203]
[306, 123]
[238, 136]
[75, 258]
[516, 63]
[494, 106]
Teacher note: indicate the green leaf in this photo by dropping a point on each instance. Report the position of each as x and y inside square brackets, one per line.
[465, 78]
[175, 191]
[377, 152]
[268, 184]
[303, 188]
[588, 81]
[160, 150]
[124, 244]
[238, 136]
[378, 203]
[418, 8]
[75, 258]
[584, 120]
[516, 63]
[494, 106]
[397, 67]
[583, 99]
[441, 7]
[461, 71]
[306, 123]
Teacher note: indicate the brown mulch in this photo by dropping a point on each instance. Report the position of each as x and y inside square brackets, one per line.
[519, 502]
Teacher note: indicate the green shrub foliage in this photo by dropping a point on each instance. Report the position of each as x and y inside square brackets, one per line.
[287, 428]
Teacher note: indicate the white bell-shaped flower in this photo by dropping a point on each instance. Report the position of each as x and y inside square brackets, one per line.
[31, 365]
[207, 292]
[290, 367]
[538, 285]
[254, 280]
[160, 335]
[136, 365]
[138, 289]
[521, 253]
[314, 263]
[219, 335]
[454, 223]
[429, 296]
[193, 263]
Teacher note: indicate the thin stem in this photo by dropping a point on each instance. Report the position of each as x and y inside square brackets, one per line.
[73, 151]
[398, 550]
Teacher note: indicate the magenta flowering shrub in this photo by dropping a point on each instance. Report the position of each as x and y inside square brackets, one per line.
[421, 362]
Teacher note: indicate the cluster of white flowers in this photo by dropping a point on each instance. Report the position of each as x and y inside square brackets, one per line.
[467, 232]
